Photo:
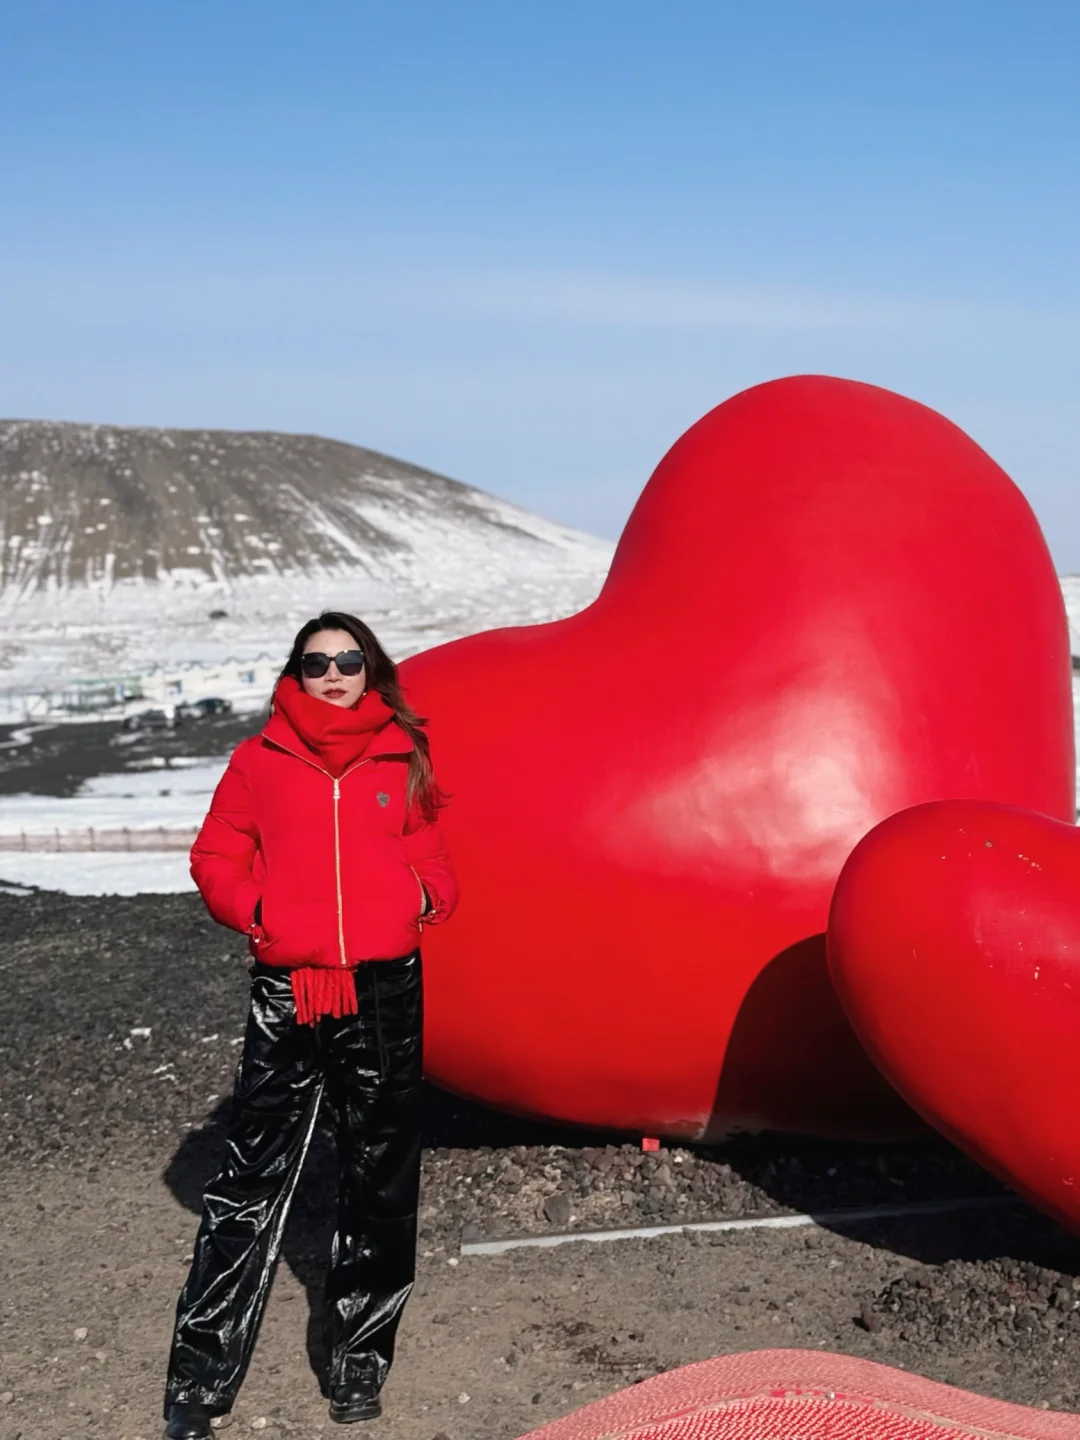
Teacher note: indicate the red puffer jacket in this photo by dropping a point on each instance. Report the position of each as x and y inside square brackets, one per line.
[310, 819]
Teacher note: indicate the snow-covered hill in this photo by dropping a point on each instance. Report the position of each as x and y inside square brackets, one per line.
[124, 550]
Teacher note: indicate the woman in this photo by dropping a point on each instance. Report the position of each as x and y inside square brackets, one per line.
[323, 846]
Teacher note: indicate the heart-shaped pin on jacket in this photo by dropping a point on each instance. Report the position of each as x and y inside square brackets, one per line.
[829, 604]
[954, 941]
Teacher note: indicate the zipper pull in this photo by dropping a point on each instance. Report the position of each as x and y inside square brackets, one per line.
[337, 789]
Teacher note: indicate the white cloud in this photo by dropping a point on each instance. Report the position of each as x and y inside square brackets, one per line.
[654, 303]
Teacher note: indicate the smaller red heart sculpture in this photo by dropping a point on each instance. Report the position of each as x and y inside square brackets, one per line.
[954, 945]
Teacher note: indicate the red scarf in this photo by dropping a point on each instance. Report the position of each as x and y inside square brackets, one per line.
[337, 736]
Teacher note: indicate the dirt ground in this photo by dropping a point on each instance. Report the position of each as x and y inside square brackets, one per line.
[40, 758]
[108, 1133]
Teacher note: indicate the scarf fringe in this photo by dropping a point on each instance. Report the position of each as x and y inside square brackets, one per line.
[318, 991]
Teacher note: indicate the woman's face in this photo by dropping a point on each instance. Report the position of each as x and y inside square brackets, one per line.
[338, 689]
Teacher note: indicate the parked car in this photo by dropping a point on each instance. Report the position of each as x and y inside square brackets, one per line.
[147, 720]
[201, 709]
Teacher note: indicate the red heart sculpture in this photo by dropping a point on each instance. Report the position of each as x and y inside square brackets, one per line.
[828, 604]
[954, 942]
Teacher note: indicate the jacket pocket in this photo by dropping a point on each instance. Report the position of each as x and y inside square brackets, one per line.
[423, 895]
[395, 890]
[296, 932]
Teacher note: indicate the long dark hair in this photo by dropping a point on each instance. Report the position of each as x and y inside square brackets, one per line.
[421, 789]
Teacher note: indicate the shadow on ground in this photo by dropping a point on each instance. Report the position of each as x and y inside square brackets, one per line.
[794, 1172]
[448, 1123]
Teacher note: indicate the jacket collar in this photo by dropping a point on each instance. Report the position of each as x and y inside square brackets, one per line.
[335, 754]
[391, 740]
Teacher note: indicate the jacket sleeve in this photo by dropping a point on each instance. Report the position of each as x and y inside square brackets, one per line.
[426, 850]
[223, 856]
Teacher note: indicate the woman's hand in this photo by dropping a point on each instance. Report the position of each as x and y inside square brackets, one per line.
[255, 929]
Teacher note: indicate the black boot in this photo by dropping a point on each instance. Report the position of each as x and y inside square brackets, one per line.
[187, 1421]
[354, 1402]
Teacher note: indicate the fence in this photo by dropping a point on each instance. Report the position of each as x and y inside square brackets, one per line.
[156, 838]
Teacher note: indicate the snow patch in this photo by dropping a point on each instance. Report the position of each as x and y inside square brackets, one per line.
[98, 874]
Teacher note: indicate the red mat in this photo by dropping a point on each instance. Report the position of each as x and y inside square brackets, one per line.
[802, 1395]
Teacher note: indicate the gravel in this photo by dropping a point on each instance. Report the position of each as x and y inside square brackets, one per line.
[120, 1027]
[1016, 1303]
[120, 1022]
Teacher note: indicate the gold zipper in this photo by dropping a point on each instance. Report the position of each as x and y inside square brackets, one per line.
[337, 872]
[337, 833]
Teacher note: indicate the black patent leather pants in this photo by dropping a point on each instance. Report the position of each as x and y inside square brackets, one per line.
[369, 1066]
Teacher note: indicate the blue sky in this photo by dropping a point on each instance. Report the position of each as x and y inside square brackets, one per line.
[527, 244]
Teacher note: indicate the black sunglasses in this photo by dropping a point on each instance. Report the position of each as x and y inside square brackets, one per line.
[315, 664]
